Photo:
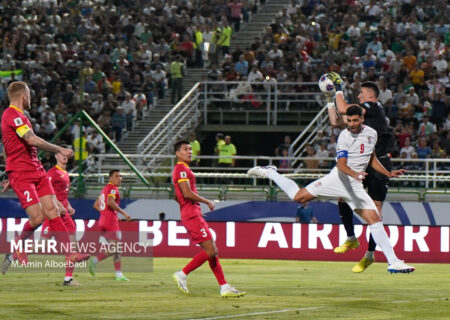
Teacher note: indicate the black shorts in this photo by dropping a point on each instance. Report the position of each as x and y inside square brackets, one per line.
[377, 183]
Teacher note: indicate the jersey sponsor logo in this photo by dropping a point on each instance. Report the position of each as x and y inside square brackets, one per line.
[342, 154]
[183, 174]
[18, 121]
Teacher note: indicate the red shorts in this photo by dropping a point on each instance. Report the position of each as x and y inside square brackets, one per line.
[109, 228]
[198, 229]
[68, 223]
[29, 186]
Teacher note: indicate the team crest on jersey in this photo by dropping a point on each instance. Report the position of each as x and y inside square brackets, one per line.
[18, 121]
[183, 174]
[369, 140]
[113, 192]
[318, 184]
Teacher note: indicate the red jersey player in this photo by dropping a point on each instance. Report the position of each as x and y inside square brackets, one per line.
[26, 176]
[108, 206]
[191, 216]
[61, 184]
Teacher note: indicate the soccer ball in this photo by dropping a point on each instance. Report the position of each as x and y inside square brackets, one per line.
[326, 85]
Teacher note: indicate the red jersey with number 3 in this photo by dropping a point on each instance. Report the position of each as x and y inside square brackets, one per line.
[20, 156]
[188, 208]
[110, 190]
[61, 184]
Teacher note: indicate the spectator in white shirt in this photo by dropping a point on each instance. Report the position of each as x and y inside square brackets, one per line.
[129, 108]
[408, 149]
[254, 75]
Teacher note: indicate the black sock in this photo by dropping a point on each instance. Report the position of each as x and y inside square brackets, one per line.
[347, 218]
[372, 244]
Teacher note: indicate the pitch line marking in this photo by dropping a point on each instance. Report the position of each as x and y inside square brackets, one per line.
[256, 313]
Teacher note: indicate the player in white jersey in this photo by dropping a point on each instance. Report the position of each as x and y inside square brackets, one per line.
[355, 151]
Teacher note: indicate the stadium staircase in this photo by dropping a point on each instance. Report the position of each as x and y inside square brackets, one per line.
[243, 38]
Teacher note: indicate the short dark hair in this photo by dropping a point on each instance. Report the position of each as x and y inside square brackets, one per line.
[111, 172]
[354, 110]
[178, 145]
[372, 86]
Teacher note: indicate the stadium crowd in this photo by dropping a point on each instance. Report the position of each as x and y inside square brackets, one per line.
[112, 58]
[401, 45]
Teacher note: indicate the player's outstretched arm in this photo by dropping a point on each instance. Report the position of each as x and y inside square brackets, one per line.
[377, 166]
[113, 205]
[189, 194]
[5, 185]
[39, 143]
[344, 168]
[97, 204]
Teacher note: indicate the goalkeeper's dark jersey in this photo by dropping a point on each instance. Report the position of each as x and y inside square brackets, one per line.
[376, 119]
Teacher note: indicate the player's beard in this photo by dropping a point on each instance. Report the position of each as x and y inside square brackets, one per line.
[26, 104]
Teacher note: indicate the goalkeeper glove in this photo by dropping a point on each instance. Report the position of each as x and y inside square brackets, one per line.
[337, 81]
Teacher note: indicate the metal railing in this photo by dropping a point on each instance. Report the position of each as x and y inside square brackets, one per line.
[266, 97]
[431, 172]
[159, 140]
[308, 135]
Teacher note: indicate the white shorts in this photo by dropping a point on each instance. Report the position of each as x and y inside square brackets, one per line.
[339, 185]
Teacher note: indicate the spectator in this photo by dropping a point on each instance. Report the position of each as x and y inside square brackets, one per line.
[311, 162]
[177, 74]
[118, 123]
[227, 151]
[225, 38]
[236, 10]
[408, 149]
[423, 150]
[305, 214]
[284, 146]
[195, 146]
[95, 140]
[426, 128]
[284, 164]
[129, 109]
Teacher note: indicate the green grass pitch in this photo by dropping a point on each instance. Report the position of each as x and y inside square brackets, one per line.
[276, 290]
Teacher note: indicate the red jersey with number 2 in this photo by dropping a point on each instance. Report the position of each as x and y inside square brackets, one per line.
[188, 208]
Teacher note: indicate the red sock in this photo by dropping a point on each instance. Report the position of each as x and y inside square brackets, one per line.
[117, 266]
[101, 256]
[27, 231]
[69, 270]
[196, 262]
[215, 266]
[59, 230]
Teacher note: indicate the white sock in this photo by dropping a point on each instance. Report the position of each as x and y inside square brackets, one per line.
[182, 274]
[226, 285]
[351, 238]
[67, 278]
[287, 185]
[119, 274]
[382, 240]
[370, 254]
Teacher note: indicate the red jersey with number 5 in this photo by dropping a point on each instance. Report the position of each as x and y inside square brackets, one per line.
[61, 184]
[188, 208]
[20, 156]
